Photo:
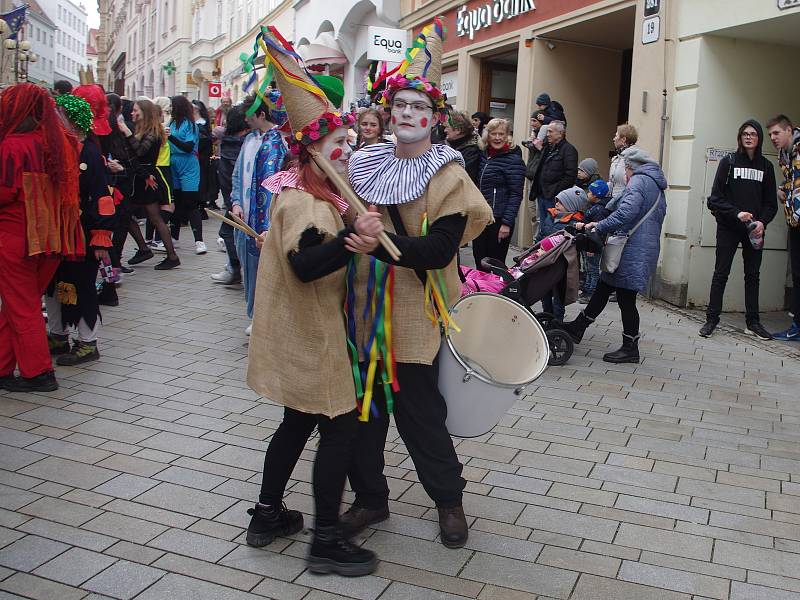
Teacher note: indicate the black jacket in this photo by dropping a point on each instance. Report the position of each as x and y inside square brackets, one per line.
[501, 180]
[468, 147]
[744, 185]
[229, 148]
[558, 169]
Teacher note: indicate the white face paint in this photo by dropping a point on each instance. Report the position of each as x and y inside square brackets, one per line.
[335, 148]
[410, 124]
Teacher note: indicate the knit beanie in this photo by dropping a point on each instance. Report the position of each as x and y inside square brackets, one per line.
[599, 188]
[635, 157]
[574, 199]
[589, 166]
[543, 98]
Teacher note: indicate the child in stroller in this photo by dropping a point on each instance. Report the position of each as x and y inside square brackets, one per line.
[551, 264]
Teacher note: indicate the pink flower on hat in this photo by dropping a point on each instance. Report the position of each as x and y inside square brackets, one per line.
[314, 126]
[314, 135]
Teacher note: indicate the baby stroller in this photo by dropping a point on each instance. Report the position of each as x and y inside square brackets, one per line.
[551, 264]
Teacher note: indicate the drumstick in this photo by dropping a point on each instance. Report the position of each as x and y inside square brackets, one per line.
[241, 222]
[354, 201]
[233, 224]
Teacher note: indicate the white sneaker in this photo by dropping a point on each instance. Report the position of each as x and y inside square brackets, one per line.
[221, 245]
[249, 329]
[225, 277]
[200, 248]
[158, 247]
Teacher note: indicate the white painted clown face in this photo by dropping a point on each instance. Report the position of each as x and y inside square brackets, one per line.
[335, 148]
[413, 116]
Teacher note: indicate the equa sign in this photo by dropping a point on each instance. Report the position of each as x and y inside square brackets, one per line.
[386, 44]
[469, 21]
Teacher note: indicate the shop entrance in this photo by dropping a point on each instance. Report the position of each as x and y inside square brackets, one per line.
[498, 86]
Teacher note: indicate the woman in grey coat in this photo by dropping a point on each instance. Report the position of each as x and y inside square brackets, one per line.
[645, 189]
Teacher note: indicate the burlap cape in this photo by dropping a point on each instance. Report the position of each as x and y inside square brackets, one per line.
[450, 191]
[298, 353]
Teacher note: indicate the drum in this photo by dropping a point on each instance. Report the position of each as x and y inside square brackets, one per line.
[484, 368]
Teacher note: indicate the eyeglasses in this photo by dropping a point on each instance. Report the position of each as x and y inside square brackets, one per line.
[747, 134]
[417, 107]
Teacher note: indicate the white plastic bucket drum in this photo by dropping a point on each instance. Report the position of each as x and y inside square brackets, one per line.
[484, 368]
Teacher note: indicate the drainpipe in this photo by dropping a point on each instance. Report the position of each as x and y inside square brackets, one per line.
[663, 128]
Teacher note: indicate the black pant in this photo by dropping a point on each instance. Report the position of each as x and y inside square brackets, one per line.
[187, 209]
[419, 414]
[728, 242]
[794, 258]
[226, 233]
[626, 299]
[330, 466]
[487, 245]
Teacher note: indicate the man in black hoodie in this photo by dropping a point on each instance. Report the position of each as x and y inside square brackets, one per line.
[743, 195]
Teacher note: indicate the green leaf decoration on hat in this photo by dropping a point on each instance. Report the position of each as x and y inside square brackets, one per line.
[333, 88]
[78, 111]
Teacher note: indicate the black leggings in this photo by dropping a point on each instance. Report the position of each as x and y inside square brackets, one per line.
[627, 306]
[337, 436]
[187, 209]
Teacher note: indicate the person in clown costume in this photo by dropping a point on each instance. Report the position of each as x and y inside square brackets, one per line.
[298, 354]
[431, 207]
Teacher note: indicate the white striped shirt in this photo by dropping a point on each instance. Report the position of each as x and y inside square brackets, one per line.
[380, 177]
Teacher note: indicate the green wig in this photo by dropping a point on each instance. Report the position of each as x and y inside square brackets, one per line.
[78, 111]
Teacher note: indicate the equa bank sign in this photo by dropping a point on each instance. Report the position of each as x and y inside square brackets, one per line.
[471, 20]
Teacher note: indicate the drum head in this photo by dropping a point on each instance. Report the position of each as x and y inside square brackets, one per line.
[500, 340]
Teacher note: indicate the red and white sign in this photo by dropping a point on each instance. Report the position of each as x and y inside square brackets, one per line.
[214, 89]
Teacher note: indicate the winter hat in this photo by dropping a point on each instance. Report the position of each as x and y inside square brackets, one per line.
[589, 166]
[543, 98]
[574, 199]
[551, 242]
[635, 157]
[599, 188]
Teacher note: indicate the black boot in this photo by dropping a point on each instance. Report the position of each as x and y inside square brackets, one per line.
[576, 328]
[271, 521]
[628, 353]
[108, 295]
[46, 382]
[331, 552]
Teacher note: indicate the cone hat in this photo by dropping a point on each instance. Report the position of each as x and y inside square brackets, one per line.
[427, 62]
[303, 99]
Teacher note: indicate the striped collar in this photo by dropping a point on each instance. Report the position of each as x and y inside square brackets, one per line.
[289, 179]
[380, 177]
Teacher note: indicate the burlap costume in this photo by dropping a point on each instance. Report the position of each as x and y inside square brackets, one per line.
[450, 191]
[298, 347]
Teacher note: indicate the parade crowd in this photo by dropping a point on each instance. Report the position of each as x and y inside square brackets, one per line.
[345, 304]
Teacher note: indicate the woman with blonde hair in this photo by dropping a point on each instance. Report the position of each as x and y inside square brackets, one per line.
[149, 187]
[370, 127]
[501, 178]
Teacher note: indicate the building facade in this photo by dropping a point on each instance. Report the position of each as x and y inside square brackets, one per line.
[685, 73]
[40, 31]
[70, 37]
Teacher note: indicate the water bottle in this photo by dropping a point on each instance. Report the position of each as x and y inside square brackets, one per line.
[756, 240]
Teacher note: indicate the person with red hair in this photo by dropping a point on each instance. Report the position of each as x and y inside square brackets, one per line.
[39, 225]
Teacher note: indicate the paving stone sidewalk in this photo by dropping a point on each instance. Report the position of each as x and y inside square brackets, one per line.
[678, 478]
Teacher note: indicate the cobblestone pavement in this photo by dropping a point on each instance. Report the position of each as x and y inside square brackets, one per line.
[677, 478]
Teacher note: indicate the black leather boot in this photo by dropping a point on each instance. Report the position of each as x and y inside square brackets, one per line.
[628, 353]
[356, 519]
[269, 522]
[453, 527]
[576, 328]
[331, 552]
[45, 382]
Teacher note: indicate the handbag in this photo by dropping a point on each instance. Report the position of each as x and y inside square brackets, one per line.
[615, 244]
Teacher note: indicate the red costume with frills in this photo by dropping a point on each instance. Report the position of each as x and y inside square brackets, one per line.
[39, 225]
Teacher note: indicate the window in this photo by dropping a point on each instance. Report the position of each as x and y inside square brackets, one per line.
[51, 40]
[219, 17]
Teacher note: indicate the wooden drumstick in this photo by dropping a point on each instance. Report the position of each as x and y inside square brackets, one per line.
[347, 192]
[246, 227]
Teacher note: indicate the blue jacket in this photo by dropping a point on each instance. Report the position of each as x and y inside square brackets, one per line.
[184, 163]
[501, 179]
[640, 255]
[597, 211]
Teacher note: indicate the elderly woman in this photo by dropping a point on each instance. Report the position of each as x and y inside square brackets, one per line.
[501, 178]
[460, 136]
[643, 207]
[625, 137]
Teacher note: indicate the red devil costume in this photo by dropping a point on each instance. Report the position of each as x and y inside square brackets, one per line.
[39, 225]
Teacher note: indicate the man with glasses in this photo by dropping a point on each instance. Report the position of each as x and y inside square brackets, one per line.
[430, 207]
[743, 201]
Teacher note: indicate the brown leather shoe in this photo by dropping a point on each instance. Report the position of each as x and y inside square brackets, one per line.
[453, 526]
[356, 519]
